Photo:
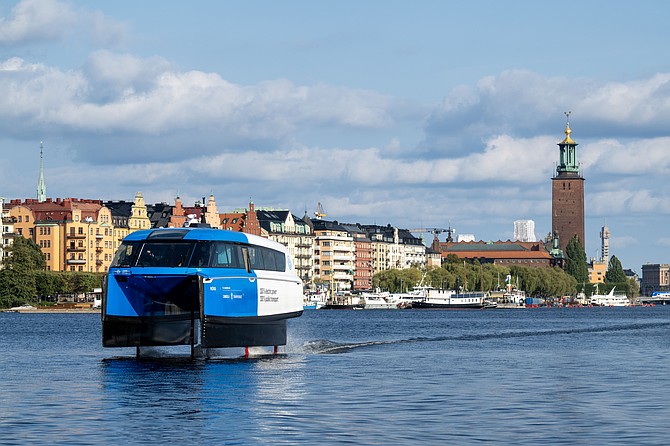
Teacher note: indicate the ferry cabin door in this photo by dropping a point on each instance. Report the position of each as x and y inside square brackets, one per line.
[228, 295]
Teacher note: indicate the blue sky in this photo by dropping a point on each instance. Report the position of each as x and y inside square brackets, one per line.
[417, 114]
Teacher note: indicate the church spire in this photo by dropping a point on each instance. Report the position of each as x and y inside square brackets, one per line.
[41, 185]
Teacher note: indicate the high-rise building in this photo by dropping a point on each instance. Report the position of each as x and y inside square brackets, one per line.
[567, 193]
[605, 245]
[524, 231]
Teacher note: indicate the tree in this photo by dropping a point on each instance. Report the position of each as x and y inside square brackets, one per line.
[49, 282]
[575, 262]
[633, 287]
[17, 278]
[615, 272]
[16, 288]
[25, 255]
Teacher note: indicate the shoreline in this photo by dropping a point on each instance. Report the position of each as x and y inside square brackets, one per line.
[54, 311]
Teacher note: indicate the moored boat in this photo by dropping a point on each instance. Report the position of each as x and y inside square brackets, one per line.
[610, 299]
[378, 301]
[448, 299]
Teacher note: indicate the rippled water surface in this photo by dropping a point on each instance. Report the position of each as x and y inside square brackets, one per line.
[537, 376]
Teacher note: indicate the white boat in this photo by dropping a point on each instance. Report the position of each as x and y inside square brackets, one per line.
[313, 301]
[448, 299]
[405, 300]
[514, 296]
[378, 301]
[610, 299]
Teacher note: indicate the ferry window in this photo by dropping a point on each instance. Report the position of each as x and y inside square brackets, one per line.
[217, 255]
[227, 255]
[266, 259]
[126, 255]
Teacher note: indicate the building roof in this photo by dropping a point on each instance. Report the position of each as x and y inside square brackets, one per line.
[119, 208]
[59, 209]
[159, 214]
[233, 221]
[325, 225]
[496, 250]
[273, 215]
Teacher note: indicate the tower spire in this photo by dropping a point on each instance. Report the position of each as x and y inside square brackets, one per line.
[567, 164]
[41, 185]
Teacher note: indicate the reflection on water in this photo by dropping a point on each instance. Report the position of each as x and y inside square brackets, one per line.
[233, 398]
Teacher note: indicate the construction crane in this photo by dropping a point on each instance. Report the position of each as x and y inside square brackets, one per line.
[434, 231]
[425, 230]
[320, 213]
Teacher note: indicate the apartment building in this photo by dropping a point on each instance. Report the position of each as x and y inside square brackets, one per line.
[7, 232]
[74, 234]
[333, 255]
[363, 257]
[294, 233]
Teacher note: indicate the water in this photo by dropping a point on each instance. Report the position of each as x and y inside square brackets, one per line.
[537, 376]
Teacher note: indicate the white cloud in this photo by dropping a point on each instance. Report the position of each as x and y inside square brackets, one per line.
[622, 242]
[520, 102]
[639, 157]
[637, 103]
[121, 93]
[35, 21]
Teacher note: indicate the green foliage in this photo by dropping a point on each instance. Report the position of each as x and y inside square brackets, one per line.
[440, 278]
[575, 263]
[615, 272]
[16, 288]
[25, 255]
[633, 287]
[48, 283]
[475, 277]
[397, 280]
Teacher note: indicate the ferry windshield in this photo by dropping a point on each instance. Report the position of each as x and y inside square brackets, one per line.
[198, 255]
[141, 254]
[168, 255]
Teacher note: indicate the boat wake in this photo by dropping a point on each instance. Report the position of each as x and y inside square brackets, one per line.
[330, 347]
[324, 346]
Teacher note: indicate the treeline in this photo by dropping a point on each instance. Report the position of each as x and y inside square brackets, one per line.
[455, 273]
[536, 282]
[23, 277]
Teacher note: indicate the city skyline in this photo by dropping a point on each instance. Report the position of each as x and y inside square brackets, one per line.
[433, 116]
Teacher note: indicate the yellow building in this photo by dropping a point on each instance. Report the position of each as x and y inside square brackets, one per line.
[73, 234]
[597, 271]
[138, 215]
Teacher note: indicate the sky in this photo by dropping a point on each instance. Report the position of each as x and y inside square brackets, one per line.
[429, 114]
